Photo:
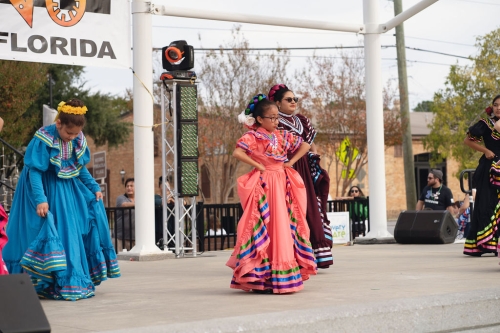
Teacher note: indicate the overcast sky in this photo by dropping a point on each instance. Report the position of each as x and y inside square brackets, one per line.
[448, 26]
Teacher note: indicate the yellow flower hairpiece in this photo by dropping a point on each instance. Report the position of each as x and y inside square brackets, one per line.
[63, 107]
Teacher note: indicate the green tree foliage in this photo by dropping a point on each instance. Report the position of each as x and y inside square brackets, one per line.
[468, 91]
[424, 106]
[24, 88]
[19, 86]
[103, 119]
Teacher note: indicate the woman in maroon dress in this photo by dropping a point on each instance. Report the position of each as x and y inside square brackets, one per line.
[315, 178]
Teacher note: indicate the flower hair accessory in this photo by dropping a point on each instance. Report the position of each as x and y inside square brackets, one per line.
[489, 111]
[63, 107]
[246, 117]
[274, 89]
[246, 120]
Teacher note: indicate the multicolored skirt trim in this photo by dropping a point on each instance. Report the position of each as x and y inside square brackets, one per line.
[486, 240]
[52, 276]
[324, 256]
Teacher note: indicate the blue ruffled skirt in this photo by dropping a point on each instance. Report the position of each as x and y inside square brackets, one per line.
[68, 252]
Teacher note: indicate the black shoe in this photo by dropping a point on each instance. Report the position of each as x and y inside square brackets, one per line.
[160, 244]
[265, 291]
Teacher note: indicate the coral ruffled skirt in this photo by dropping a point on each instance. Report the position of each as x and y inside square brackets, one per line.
[273, 251]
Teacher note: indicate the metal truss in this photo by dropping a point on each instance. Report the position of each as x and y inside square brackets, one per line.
[179, 217]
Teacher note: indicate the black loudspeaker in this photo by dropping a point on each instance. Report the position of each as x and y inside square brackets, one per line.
[425, 227]
[20, 308]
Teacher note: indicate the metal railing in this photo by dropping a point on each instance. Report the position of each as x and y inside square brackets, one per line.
[121, 225]
[209, 217]
[10, 160]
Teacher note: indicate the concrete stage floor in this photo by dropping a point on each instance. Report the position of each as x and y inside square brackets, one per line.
[370, 288]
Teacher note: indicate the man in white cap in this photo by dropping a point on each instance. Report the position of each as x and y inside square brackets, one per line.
[436, 195]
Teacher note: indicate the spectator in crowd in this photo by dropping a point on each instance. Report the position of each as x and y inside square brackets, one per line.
[436, 195]
[169, 191]
[125, 218]
[159, 240]
[358, 211]
[214, 227]
[463, 216]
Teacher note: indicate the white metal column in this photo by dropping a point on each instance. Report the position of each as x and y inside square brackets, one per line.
[375, 122]
[143, 134]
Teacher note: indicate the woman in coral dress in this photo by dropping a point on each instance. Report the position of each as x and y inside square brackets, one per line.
[273, 253]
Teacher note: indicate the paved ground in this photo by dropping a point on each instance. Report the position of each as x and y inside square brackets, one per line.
[370, 288]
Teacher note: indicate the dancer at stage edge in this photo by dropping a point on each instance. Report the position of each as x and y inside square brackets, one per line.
[3, 223]
[316, 179]
[482, 236]
[58, 230]
[272, 252]
[3, 239]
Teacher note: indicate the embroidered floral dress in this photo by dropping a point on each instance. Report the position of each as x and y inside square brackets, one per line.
[482, 236]
[272, 251]
[68, 252]
[317, 183]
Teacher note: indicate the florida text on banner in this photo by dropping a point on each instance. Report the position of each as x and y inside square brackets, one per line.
[77, 32]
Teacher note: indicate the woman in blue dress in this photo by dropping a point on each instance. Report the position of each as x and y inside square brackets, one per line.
[58, 230]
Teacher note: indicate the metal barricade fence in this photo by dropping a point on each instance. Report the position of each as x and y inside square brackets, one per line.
[122, 227]
[216, 224]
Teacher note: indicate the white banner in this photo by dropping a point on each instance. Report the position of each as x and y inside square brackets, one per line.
[84, 33]
[341, 228]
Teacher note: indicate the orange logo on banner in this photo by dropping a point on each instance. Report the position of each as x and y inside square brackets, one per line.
[25, 8]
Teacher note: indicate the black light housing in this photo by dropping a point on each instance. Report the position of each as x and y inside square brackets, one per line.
[178, 56]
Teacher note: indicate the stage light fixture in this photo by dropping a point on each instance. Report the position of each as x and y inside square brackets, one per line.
[178, 56]
[187, 138]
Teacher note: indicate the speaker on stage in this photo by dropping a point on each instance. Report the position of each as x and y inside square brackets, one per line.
[425, 227]
[20, 308]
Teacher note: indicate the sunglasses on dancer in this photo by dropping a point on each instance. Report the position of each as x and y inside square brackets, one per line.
[354, 191]
[290, 99]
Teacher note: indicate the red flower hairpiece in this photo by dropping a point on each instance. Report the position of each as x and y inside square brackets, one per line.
[489, 110]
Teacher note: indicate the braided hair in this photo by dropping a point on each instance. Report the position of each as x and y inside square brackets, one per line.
[277, 92]
[255, 108]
